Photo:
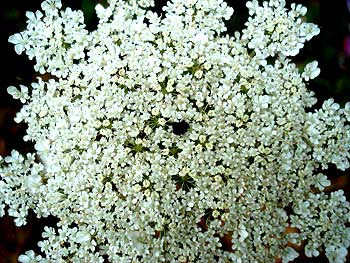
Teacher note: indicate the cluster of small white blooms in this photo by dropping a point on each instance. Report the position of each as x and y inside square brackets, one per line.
[272, 29]
[329, 135]
[55, 38]
[18, 193]
[163, 140]
[317, 217]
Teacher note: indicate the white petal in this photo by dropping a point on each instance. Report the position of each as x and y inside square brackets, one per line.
[15, 39]
[19, 49]
[30, 15]
[82, 236]
[24, 259]
[13, 91]
[24, 89]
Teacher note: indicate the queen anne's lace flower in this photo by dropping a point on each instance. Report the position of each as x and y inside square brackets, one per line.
[311, 71]
[161, 139]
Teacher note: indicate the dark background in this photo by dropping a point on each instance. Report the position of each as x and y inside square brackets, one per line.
[331, 48]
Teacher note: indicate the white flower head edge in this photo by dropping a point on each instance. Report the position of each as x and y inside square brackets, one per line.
[163, 139]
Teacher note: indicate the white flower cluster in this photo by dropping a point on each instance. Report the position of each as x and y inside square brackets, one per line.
[161, 139]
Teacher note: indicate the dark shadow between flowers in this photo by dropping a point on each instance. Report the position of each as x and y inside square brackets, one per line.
[15, 241]
[180, 128]
[238, 19]
[158, 7]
